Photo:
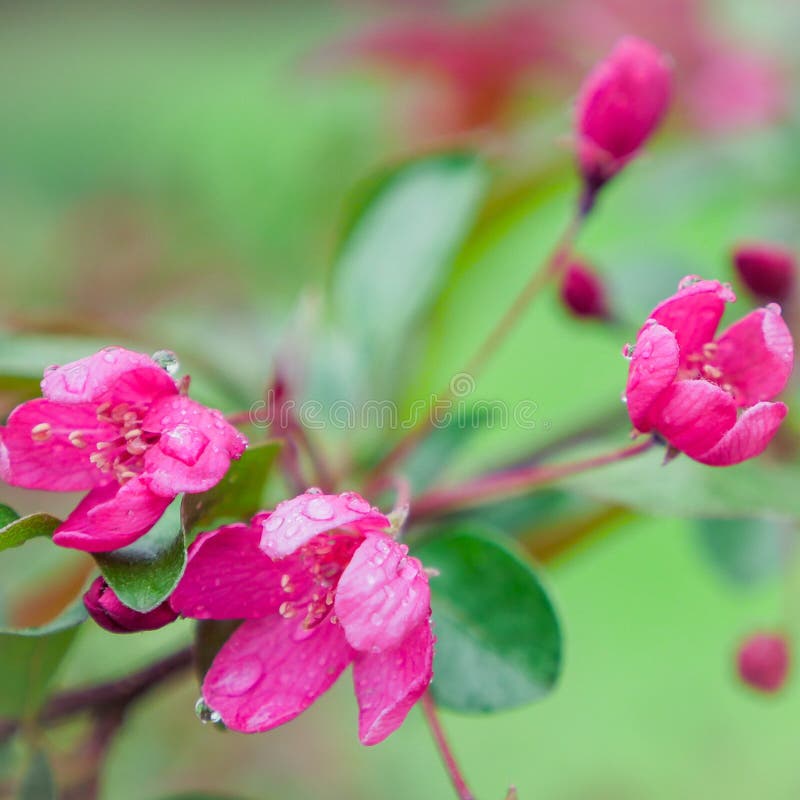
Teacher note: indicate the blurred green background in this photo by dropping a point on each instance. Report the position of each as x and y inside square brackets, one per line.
[178, 175]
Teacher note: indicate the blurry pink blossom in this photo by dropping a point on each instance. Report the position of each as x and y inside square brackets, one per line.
[767, 270]
[688, 386]
[583, 293]
[763, 661]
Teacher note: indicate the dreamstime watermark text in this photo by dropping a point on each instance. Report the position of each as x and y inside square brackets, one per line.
[456, 408]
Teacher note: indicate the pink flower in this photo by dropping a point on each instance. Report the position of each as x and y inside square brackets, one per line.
[106, 609]
[763, 661]
[620, 104]
[583, 293]
[767, 270]
[689, 387]
[319, 585]
[116, 425]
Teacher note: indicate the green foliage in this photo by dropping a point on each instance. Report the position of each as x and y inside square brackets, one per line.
[144, 573]
[30, 658]
[19, 530]
[746, 551]
[398, 249]
[685, 488]
[498, 636]
[39, 782]
[238, 495]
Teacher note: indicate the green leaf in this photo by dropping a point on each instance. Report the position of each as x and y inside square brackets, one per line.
[397, 252]
[209, 636]
[7, 515]
[498, 635]
[20, 530]
[238, 495]
[746, 551]
[685, 488]
[29, 658]
[144, 573]
[39, 782]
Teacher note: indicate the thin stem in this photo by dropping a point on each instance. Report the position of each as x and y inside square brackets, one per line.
[439, 736]
[550, 269]
[500, 485]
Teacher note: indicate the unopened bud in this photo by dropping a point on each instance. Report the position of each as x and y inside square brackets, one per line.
[767, 270]
[763, 661]
[583, 293]
[620, 104]
[106, 609]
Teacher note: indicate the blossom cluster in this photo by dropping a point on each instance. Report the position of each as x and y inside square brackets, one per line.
[322, 582]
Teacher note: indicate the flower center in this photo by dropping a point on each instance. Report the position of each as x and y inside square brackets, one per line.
[700, 366]
[311, 591]
[123, 454]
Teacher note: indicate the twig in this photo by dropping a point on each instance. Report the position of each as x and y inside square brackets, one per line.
[511, 482]
[453, 770]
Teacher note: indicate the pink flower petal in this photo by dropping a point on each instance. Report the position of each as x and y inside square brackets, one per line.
[195, 448]
[114, 375]
[264, 675]
[748, 438]
[36, 451]
[388, 684]
[382, 595]
[693, 314]
[295, 522]
[755, 355]
[229, 577]
[694, 415]
[110, 517]
[653, 368]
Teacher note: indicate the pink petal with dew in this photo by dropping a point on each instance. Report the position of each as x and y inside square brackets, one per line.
[47, 445]
[382, 595]
[110, 517]
[653, 368]
[264, 676]
[756, 355]
[229, 577]
[113, 375]
[621, 102]
[748, 438]
[297, 521]
[694, 415]
[194, 450]
[388, 684]
[693, 313]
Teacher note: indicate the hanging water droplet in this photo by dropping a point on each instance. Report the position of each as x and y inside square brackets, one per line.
[688, 281]
[167, 360]
[205, 713]
[627, 351]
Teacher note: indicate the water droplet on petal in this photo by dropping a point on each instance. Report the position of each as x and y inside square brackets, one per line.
[688, 281]
[167, 360]
[647, 350]
[319, 509]
[358, 504]
[774, 308]
[272, 523]
[75, 378]
[314, 490]
[240, 678]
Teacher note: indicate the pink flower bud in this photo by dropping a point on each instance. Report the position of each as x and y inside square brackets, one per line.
[767, 270]
[620, 104]
[583, 293]
[763, 661]
[106, 609]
